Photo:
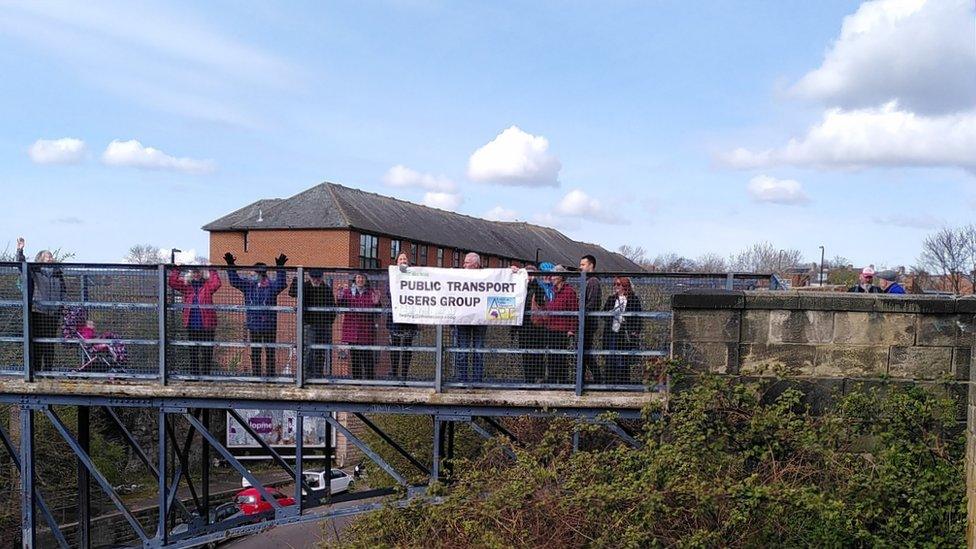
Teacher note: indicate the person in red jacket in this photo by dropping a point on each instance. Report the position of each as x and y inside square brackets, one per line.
[560, 330]
[359, 328]
[197, 287]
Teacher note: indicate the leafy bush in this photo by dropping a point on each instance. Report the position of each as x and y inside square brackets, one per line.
[721, 467]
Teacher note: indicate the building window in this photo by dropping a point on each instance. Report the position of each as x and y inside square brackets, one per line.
[413, 253]
[423, 255]
[440, 257]
[394, 250]
[456, 260]
[245, 241]
[504, 262]
[369, 252]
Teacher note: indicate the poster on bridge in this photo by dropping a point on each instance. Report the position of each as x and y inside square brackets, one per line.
[276, 427]
[432, 295]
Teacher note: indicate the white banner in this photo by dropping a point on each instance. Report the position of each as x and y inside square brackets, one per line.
[430, 295]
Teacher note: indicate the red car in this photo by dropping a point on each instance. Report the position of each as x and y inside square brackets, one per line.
[250, 502]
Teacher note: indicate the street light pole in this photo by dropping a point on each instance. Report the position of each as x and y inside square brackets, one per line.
[172, 255]
[821, 266]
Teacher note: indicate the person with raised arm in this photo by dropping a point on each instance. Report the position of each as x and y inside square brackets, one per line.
[45, 288]
[197, 287]
[359, 328]
[261, 290]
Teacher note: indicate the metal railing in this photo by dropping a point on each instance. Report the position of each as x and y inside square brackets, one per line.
[222, 324]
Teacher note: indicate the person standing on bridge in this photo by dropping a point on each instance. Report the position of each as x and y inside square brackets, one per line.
[594, 299]
[261, 292]
[46, 284]
[318, 324]
[889, 282]
[359, 328]
[531, 335]
[561, 328]
[197, 287]
[865, 283]
[401, 335]
[621, 333]
[470, 337]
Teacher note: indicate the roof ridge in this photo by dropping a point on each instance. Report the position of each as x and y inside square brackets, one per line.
[335, 200]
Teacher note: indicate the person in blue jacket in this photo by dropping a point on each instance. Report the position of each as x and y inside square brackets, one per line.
[262, 324]
[889, 282]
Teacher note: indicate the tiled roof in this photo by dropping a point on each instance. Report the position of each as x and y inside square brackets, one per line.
[333, 206]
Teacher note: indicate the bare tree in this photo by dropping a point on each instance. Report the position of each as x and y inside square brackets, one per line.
[968, 236]
[945, 252]
[142, 254]
[637, 254]
[671, 263]
[763, 257]
[710, 263]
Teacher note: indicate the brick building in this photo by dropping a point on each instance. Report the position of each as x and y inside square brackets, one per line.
[332, 225]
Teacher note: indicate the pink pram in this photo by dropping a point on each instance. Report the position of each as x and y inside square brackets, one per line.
[95, 355]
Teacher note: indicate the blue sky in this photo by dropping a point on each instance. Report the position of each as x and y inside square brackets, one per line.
[676, 126]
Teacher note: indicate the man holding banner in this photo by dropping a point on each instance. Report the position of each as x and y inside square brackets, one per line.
[469, 299]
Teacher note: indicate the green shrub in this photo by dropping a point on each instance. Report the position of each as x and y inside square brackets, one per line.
[721, 467]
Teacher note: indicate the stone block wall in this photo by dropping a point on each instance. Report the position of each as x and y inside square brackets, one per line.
[832, 342]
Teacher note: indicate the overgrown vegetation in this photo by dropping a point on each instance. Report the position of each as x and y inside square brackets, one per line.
[723, 466]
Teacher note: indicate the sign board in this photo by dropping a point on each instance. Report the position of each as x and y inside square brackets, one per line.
[276, 427]
[432, 295]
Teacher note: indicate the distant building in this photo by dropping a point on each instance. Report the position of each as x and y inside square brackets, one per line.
[332, 225]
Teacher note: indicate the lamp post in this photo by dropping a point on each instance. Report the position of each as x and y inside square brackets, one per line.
[537, 250]
[821, 266]
[172, 255]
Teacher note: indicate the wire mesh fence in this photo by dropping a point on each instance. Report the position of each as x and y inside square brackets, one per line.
[598, 331]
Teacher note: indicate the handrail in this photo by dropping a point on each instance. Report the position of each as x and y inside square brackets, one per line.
[152, 317]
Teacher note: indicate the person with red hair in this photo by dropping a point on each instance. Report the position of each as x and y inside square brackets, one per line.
[622, 331]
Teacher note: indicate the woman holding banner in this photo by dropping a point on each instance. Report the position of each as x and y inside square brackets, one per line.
[401, 335]
[359, 328]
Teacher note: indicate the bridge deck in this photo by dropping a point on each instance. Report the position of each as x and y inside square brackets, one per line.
[327, 397]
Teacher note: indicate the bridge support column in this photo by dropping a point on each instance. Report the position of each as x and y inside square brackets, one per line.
[27, 526]
[435, 466]
[84, 486]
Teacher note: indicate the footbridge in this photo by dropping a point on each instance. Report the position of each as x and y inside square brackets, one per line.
[183, 368]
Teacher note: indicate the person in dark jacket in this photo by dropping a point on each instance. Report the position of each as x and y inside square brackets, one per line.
[45, 285]
[561, 330]
[401, 335]
[621, 332]
[359, 328]
[318, 324]
[262, 324]
[197, 287]
[594, 298]
[865, 283]
[531, 335]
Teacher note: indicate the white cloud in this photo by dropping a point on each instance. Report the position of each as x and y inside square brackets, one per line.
[68, 220]
[515, 158]
[402, 176]
[443, 201]
[917, 52]
[578, 204]
[172, 60]
[132, 153]
[183, 257]
[66, 150]
[885, 136]
[923, 221]
[764, 188]
[500, 213]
